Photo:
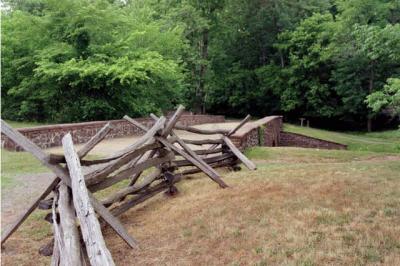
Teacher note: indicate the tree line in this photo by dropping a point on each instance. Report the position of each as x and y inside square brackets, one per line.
[80, 60]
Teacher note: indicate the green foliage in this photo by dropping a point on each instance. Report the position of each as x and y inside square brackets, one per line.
[85, 60]
[88, 60]
[308, 87]
[364, 58]
[388, 98]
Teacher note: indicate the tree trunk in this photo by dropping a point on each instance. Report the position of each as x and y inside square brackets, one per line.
[200, 105]
[369, 124]
[370, 89]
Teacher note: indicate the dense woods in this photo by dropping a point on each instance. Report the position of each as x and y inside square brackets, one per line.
[78, 60]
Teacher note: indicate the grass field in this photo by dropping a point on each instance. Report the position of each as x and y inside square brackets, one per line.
[17, 163]
[18, 124]
[386, 141]
[301, 207]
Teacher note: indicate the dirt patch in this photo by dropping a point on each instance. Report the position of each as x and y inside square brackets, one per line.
[16, 199]
[109, 146]
[384, 158]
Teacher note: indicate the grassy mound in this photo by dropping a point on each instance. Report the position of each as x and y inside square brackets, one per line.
[301, 207]
[386, 141]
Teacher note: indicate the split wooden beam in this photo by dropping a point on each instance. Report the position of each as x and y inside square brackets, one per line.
[99, 136]
[195, 160]
[191, 156]
[249, 164]
[116, 197]
[168, 127]
[241, 124]
[98, 253]
[201, 131]
[127, 204]
[234, 130]
[209, 160]
[131, 171]
[61, 173]
[173, 121]
[228, 162]
[99, 175]
[70, 254]
[203, 141]
[143, 139]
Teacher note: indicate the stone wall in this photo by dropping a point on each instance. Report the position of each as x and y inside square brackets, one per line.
[263, 132]
[51, 135]
[298, 140]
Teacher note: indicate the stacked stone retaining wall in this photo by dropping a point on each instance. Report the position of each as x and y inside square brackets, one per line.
[51, 135]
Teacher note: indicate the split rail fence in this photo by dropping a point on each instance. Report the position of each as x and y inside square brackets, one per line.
[154, 163]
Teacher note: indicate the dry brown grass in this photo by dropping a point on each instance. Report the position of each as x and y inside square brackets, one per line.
[289, 212]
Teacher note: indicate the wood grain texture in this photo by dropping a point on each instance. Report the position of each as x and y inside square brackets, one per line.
[97, 250]
[249, 164]
[197, 161]
[70, 254]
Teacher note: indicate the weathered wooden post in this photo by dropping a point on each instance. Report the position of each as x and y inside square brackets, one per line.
[302, 121]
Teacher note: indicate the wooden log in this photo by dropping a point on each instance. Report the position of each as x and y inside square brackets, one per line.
[216, 176]
[205, 152]
[249, 164]
[201, 131]
[210, 160]
[173, 120]
[134, 122]
[196, 160]
[213, 165]
[171, 123]
[100, 174]
[153, 116]
[116, 197]
[99, 136]
[55, 259]
[97, 250]
[143, 139]
[59, 246]
[7, 130]
[61, 172]
[241, 124]
[129, 172]
[203, 141]
[128, 204]
[71, 254]
[143, 158]
[235, 129]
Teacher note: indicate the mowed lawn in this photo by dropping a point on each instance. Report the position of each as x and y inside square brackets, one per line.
[385, 141]
[301, 207]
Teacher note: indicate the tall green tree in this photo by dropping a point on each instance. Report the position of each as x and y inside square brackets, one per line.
[85, 60]
[387, 99]
[368, 57]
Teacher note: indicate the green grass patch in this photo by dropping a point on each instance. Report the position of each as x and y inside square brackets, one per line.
[21, 124]
[16, 163]
[293, 154]
[385, 141]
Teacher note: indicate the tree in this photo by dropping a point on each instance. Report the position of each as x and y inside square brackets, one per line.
[308, 89]
[87, 60]
[387, 99]
[243, 50]
[365, 60]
